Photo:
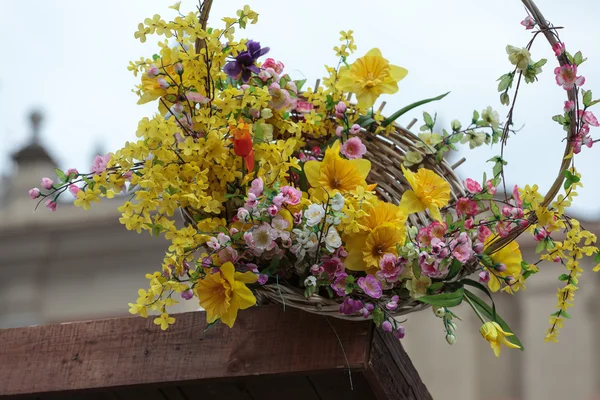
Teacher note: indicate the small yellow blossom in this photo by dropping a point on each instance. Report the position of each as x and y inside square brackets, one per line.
[493, 333]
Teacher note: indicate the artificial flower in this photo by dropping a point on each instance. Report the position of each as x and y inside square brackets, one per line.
[223, 293]
[510, 257]
[369, 77]
[495, 335]
[244, 63]
[429, 192]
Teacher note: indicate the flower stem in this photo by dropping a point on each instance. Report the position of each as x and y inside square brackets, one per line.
[475, 309]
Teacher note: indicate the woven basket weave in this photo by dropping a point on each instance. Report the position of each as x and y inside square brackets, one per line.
[386, 154]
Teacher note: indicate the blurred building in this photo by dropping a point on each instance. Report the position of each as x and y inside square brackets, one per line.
[77, 265]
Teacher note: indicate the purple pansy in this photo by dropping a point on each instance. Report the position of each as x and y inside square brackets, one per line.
[243, 65]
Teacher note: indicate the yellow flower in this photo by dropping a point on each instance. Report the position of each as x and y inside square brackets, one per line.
[429, 192]
[164, 321]
[418, 287]
[383, 228]
[223, 293]
[493, 333]
[369, 77]
[335, 174]
[510, 256]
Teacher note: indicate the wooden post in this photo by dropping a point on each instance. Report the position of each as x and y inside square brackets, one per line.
[269, 354]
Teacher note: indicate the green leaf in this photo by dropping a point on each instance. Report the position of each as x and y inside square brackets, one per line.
[541, 246]
[597, 258]
[487, 312]
[565, 314]
[444, 299]
[475, 117]
[61, 175]
[454, 269]
[437, 286]
[484, 289]
[494, 208]
[378, 316]
[578, 58]
[258, 132]
[300, 83]
[428, 120]
[593, 103]
[563, 277]
[587, 98]
[406, 109]
[504, 99]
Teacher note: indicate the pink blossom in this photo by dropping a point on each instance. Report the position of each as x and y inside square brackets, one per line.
[350, 306]
[100, 163]
[390, 268]
[540, 234]
[355, 129]
[483, 232]
[250, 201]
[472, 186]
[371, 286]
[280, 98]
[297, 217]
[262, 279]
[51, 205]
[256, 187]
[393, 303]
[153, 71]
[197, 97]
[386, 326]
[400, 332]
[187, 294]
[353, 148]
[469, 223]
[588, 141]
[279, 199]
[333, 266]
[367, 309]
[304, 107]
[265, 75]
[34, 193]
[558, 48]
[228, 254]
[74, 189]
[566, 76]
[517, 196]
[276, 65]
[72, 171]
[569, 105]
[589, 118]
[316, 150]
[424, 236]
[339, 285]
[466, 207]
[163, 83]
[500, 267]
[478, 247]
[462, 253]
[437, 246]
[484, 277]
[506, 211]
[272, 210]
[339, 131]
[528, 22]
[340, 109]
[213, 244]
[47, 183]
[490, 187]
[243, 214]
[291, 86]
[503, 228]
[292, 196]
[438, 229]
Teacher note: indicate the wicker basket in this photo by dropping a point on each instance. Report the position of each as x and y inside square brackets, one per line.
[386, 154]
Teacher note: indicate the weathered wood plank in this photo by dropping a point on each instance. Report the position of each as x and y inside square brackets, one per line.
[391, 373]
[133, 351]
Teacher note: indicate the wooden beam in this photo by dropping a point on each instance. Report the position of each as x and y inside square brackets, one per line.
[133, 351]
[294, 353]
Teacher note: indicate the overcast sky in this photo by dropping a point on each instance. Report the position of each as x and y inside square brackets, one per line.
[68, 58]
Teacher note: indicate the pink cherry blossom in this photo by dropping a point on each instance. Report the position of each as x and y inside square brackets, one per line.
[483, 232]
[390, 268]
[438, 229]
[371, 286]
[490, 187]
[338, 131]
[72, 171]
[462, 253]
[566, 76]
[472, 186]
[424, 236]
[466, 207]
[197, 97]
[340, 109]
[256, 187]
[276, 65]
[569, 105]
[353, 148]
[47, 183]
[187, 294]
[304, 107]
[517, 196]
[528, 22]
[339, 285]
[503, 228]
[386, 326]
[393, 303]
[588, 117]
[469, 223]
[559, 49]
[355, 129]
[153, 71]
[400, 332]
[74, 189]
[280, 98]
[51, 205]
[100, 163]
[484, 277]
[34, 193]
[350, 306]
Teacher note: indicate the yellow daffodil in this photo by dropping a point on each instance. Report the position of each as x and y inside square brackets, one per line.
[493, 333]
[383, 228]
[336, 174]
[369, 77]
[510, 256]
[429, 192]
[223, 293]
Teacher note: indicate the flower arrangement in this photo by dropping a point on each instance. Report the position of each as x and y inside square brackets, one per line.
[308, 198]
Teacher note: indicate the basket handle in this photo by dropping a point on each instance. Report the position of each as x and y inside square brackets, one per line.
[204, 8]
[546, 29]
